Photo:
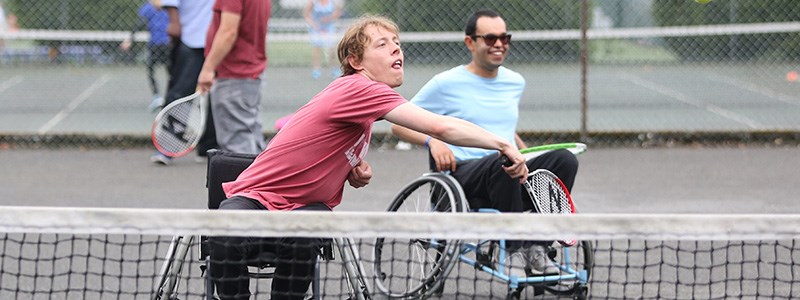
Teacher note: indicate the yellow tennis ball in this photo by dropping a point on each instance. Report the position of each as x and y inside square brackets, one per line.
[702, 1]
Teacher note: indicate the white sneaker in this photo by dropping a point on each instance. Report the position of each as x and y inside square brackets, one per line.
[515, 264]
[537, 262]
[156, 103]
[403, 146]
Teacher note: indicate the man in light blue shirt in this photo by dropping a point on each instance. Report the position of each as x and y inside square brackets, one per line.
[487, 94]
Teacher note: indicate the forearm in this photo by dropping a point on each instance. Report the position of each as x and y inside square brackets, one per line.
[409, 135]
[459, 132]
[220, 47]
[223, 41]
[174, 26]
[447, 129]
[307, 14]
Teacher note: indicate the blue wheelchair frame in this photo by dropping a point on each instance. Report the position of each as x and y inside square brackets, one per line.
[517, 283]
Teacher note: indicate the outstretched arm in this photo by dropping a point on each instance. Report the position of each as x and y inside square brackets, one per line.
[457, 132]
[443, 157]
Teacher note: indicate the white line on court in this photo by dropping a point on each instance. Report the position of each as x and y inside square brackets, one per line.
[74, 103]
[10, 82]
[681, 97]
[755, 89]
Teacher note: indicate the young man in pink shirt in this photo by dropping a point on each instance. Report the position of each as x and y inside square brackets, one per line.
[323, 146]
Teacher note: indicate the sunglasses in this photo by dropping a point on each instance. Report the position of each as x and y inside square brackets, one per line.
[491, 39]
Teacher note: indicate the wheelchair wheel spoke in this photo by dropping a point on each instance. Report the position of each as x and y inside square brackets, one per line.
[419, 267]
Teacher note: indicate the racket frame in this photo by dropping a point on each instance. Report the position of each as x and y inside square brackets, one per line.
[203, 98]
[531, 152]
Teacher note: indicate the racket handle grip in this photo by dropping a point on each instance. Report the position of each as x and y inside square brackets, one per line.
[505, 161]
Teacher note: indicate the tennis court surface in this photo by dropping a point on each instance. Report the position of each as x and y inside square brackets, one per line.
[111, 258]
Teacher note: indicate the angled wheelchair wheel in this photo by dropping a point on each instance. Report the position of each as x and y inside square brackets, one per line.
[577, 260]
[168, 276]
[417, 268]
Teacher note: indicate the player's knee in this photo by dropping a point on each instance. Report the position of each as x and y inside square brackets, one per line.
[567, 161]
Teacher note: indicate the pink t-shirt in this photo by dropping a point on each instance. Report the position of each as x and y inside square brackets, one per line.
[248, 57]
[309, 159]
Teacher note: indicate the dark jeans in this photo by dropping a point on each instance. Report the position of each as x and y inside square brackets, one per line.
[156, 55]
[487, 185]
[295, 259]
[186, 65]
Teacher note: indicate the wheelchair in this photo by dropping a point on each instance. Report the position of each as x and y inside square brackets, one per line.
[419, 268]
[224, 167]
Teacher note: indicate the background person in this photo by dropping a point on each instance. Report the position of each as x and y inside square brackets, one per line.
[158, 47]
[188, 24]
[322, 16]
[235, 57]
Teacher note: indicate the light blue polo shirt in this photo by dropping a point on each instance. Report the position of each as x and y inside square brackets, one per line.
[195, 17]
[491, 103]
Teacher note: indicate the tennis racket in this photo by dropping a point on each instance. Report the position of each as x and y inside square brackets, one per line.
[178, 127]
[549, 194]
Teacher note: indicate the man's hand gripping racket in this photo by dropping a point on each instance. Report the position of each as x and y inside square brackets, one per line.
[549, 194]
[177, 128]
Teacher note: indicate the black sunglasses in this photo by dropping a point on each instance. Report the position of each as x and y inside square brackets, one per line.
[490, 39]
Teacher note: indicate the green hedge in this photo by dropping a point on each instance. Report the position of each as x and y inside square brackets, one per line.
[76, 14]
[730, 47]
[79, 15]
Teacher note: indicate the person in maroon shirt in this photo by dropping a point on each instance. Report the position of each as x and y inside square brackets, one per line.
[323, 146]
[236, 54]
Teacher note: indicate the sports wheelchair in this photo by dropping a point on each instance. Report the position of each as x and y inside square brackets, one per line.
[224, 167]
[419, 268]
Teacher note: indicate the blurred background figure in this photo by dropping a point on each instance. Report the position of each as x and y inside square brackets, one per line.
[322, 16]
[158, 47]
[188, 24]
[8, 23]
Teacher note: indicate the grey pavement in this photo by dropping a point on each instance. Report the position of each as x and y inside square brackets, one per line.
[611, 180]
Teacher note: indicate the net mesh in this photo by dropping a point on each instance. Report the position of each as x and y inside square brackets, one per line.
[66, 253]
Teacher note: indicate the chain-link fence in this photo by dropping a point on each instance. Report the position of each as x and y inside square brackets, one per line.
[666, 71]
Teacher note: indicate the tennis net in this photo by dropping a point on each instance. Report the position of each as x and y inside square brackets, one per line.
[71, 253]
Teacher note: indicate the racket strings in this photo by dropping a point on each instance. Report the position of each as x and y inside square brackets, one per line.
[548, 194]
[179, 127]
